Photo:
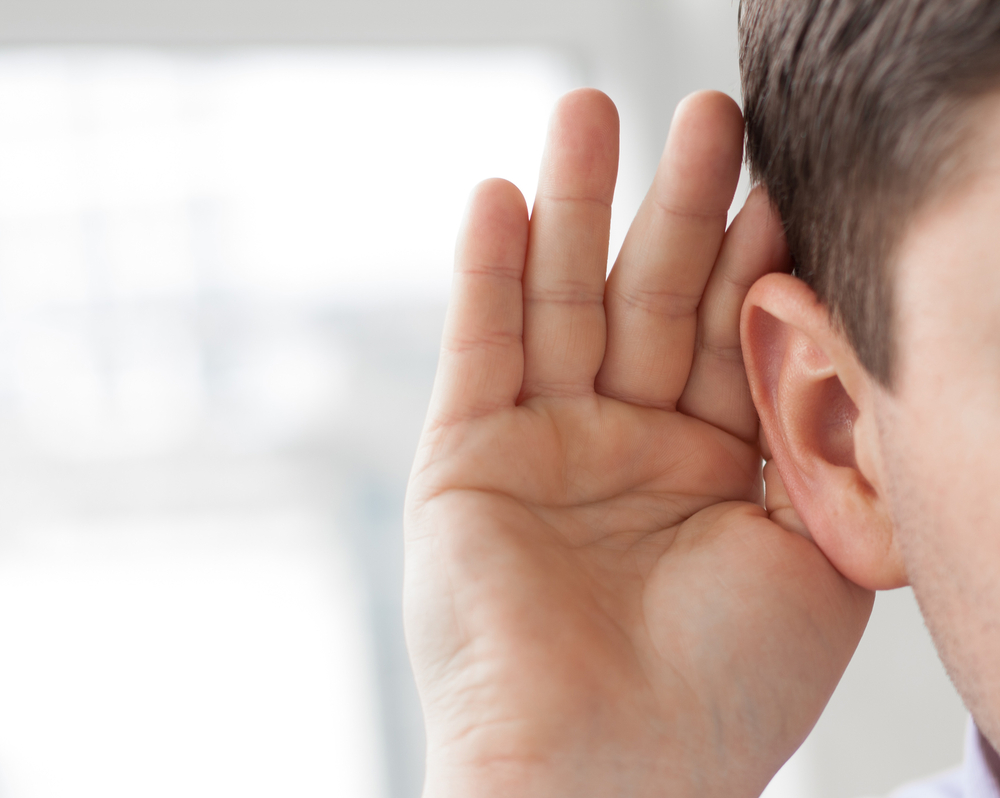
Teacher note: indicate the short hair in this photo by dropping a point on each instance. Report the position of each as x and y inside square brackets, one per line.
[855, 115]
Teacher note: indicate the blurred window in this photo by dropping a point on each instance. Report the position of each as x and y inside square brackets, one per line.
[188, 241]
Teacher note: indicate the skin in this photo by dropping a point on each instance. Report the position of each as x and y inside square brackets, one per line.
[597, 601]
[941, 421]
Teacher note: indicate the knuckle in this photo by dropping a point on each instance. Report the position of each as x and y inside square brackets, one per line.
[566, 292]
[660, 302]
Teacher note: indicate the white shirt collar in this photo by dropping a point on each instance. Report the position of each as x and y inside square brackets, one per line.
[980, 767]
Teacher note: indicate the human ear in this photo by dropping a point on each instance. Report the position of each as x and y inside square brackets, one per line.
[816, 406]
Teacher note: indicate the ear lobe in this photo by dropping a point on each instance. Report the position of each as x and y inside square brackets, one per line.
[815, 405]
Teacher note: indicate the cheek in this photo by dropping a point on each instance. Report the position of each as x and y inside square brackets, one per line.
[942, 437]
[945, 421]
[942, 446]
[945, 459]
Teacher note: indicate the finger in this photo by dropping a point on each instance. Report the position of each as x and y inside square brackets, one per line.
[655, 287]
[776, 500]
[481, 361]
[779, 506]
[568, 248]
[717, 390]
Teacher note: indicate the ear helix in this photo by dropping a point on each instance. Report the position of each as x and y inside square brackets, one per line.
[799, 369]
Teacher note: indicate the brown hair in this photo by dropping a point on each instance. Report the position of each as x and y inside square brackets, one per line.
[855, 110]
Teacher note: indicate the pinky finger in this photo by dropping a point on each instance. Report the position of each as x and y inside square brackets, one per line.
[482, 359]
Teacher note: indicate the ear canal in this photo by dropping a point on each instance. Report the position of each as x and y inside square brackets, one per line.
[799, 368]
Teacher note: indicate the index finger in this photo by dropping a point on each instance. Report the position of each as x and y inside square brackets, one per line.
[654, 290]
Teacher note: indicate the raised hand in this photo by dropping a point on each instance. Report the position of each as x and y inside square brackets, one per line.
[597, 600]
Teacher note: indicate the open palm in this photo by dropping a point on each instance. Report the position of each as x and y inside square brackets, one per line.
[597, 600]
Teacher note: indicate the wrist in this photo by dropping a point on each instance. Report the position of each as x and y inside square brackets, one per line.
[501, 779]
[549, 777]
[445, 779]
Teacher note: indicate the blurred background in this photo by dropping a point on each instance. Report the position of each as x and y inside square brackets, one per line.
[226, 230]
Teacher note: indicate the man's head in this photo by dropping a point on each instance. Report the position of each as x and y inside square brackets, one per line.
[855, 110]
[875, 126]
